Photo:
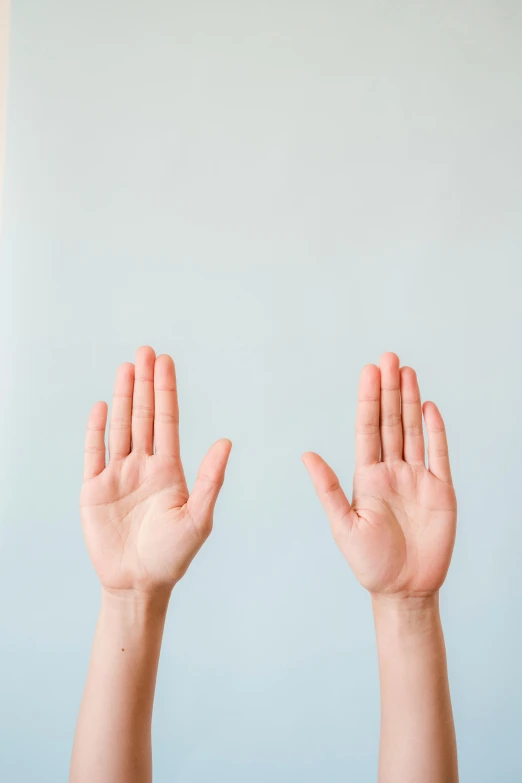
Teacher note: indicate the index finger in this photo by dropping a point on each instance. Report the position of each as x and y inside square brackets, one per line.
[166, 411]
[367, 430]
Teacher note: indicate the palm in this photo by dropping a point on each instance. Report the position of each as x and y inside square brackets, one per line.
[403, 537]
[141, 526]
[136, 522]
[398, 533]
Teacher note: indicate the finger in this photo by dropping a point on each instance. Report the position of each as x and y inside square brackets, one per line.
[166, 414]
[94, 460]
[121, 413]
[207, 486]
[390, 419]
[143, 401]
[329, 491]
[438, 457]
[367, 433]
[413, 436]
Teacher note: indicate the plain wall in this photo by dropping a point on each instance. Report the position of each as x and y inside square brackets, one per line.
[4, 38]
[274, 192]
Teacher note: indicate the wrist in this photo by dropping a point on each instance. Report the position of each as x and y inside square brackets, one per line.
[406, 602]
[135, 606]
[407, 614]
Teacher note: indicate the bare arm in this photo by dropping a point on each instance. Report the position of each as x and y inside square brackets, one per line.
[142, 529]
[417, 733]
[397, 534]
[113, 736]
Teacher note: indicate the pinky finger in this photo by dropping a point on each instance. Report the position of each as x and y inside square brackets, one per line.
[94, 461]
[438, 456]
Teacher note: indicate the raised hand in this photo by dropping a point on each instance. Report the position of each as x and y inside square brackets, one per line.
[398, 532]
[141, 526]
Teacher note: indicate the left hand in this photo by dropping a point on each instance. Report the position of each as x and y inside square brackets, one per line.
[398, 532]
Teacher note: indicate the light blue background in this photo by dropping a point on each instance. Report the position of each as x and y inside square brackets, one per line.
[275, 192]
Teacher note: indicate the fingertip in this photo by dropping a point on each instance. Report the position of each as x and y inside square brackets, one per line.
[164, 358]
[369, 384]
[432, 414]
[124, 382]
[370, 379]
[309, 457]
[125, 374]
[145, 354]
[389, 360]
[99, 409]
[370, 371]
[164, 373]
[227, 443]
[145, 365]
[409, 385]
[220, 451]
[319, 470]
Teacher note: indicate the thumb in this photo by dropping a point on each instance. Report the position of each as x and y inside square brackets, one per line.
[330, 493]
[209, 481]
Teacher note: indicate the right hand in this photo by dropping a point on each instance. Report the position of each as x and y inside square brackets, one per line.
[141, 525]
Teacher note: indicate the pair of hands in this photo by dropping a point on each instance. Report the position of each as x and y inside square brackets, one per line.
[143, 527]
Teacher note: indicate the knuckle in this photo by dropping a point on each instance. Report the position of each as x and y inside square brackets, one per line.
[142, 412]
[413, 431]
[391, 420]
[331, 488]
[364, 428]
[166, 418]
[119, 423]
[212, 482]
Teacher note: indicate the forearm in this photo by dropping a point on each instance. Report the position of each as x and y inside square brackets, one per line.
[113, 735]
[417, 732]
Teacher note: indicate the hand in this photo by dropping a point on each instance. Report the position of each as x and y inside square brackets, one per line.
[141, 526]
[398, 533]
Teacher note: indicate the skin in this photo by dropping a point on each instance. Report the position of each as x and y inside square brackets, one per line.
[397, 535]
[142, 528]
